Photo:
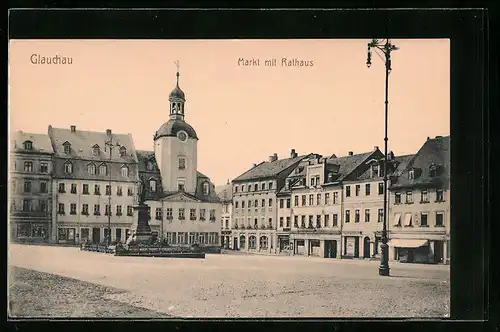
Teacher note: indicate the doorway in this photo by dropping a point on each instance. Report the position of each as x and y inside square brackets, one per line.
[235, 243]
[330, 249]
[366, 247]
[438, 252]
[96, 235]
[356, 247]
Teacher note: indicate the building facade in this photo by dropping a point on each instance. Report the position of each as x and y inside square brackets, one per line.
[30, 194]
[254, 204]
[420, 206]
[226, 198]
[94, 183]
[184, 207]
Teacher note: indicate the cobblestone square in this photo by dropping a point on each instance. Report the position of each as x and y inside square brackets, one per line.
[250, 285]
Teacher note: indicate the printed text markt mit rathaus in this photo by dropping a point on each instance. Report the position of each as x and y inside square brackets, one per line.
[284, 62]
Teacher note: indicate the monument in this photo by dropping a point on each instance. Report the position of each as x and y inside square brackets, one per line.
[141, 231]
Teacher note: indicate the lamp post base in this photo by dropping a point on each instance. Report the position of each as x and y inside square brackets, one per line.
[383, 268]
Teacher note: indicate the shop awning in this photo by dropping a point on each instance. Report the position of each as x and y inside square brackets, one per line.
[397, 219]
[407, 243]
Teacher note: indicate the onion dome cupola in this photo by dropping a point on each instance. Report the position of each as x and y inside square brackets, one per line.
[177, 99]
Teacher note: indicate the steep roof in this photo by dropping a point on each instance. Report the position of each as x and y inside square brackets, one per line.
[83, 141]
[268, 169]
[435, 151]
[348, 164]
[225, 192]
[40, 142]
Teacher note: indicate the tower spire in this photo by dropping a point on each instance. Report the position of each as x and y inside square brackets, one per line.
[177, 65]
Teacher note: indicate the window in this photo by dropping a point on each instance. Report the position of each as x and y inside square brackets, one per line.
[108, 190]
[256, 203]
[242, 204]
[181, 214]
[367, 189]
[192, 214]
[182, 163]
[270, 185]
[397, 198]
[411, 174]
[296, 200]
[85, 189]
[123, 151]
[358, 189]
[249, 187]
[335, 197]
[303, 221]
[91, 169]
[212, 215]
[236, 204]
[287, 221]
[149, 166]
[380, 215]
[251, 242]
[119, 191]
[375, 169]
[424, 197]
[103, 170]
[124, 171]
[282, 203]
[327, 220]
[118, 210]
[270, 202]
[130, 191]
[317, 180]
[263, 186]
[28, 166]
[335, 220]
[170, 214]
[73, 188]
[356, 216]
[432, 170]
[158, 214]
[242, 187]
[97, 189]
[107, 210]
[318, 221]
[256, 187]
[85, 210]
[263, 242]
[235, 189]
[60, 208]
[409, 197]
[96, 150]
[327, 198]
[348, 191]
[439, 219]
[249, 203]
[367, 215]
[281, 221]
[130, 210]
[61, 188]
[68, 167]
[43, 187]
[72, 208]
[270, 222]
[312, 181]
[43, 206]
[28, 205]
[67, 147]
[181, 184]
[202, 214]
[347, 216]
[311, 200]
[310, 225]
[288, 203]
[304, 200]
[318, 199]
[423, 220]
[380, 188]
[296, 221]
[28, 145]
[152, 185]
[44, 167]
[439, 195]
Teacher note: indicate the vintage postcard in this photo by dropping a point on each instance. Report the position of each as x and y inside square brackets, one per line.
[229, 178]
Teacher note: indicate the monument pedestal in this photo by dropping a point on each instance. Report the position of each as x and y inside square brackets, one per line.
[141, 223]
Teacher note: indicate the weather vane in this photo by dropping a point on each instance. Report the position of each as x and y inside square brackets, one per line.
[177, 64]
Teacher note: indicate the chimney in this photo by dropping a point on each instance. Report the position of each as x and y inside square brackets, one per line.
[73, 128]
[108, 132]
[350, 153]
[391, 155]
[254, 165]
[439, 137]
[375, 148]
[293, 154]
[428, 138]
[275, 157]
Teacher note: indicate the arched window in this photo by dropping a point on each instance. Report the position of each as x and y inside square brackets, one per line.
[68, 167]
[206, 188]
[28, 145]
[103, 170]
[152, 185]
[91, 169]
[123, 151]
[242, 242]
[252, 242]
[149, 166]
[124, 171]
[263, 242]
[67, 147]
[96, 150]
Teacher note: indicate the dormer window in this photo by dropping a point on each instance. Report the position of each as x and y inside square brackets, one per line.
[103, 170]
[263, 186]
[256, 187]
[91, 169]
[28, 145]
[206, 188]
[67, 147]
[181, 184]
[375, 170]
[123, 151]
[124, 171]
[411, 174]
[96, 150]
[68, 167]
[149, 166]
[152, 185]
[433, 170]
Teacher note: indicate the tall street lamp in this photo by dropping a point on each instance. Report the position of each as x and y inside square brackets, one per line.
[109, 143]
[386, 48]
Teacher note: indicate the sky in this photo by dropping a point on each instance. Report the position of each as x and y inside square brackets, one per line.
[242, 114]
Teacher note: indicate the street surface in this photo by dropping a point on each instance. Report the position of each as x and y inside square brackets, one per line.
[253, 285]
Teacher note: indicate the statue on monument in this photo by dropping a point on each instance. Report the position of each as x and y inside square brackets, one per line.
[142, 192]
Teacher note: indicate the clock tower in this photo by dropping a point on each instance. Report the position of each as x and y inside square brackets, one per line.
[175, 147]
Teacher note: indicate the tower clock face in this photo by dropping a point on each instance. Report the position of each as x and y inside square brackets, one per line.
[182, 136]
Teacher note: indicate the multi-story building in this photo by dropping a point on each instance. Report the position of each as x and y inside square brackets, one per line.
[181, 199]
[30, 187]
[226, 198]
[254, 203]
[420, 206]
[94, 183]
